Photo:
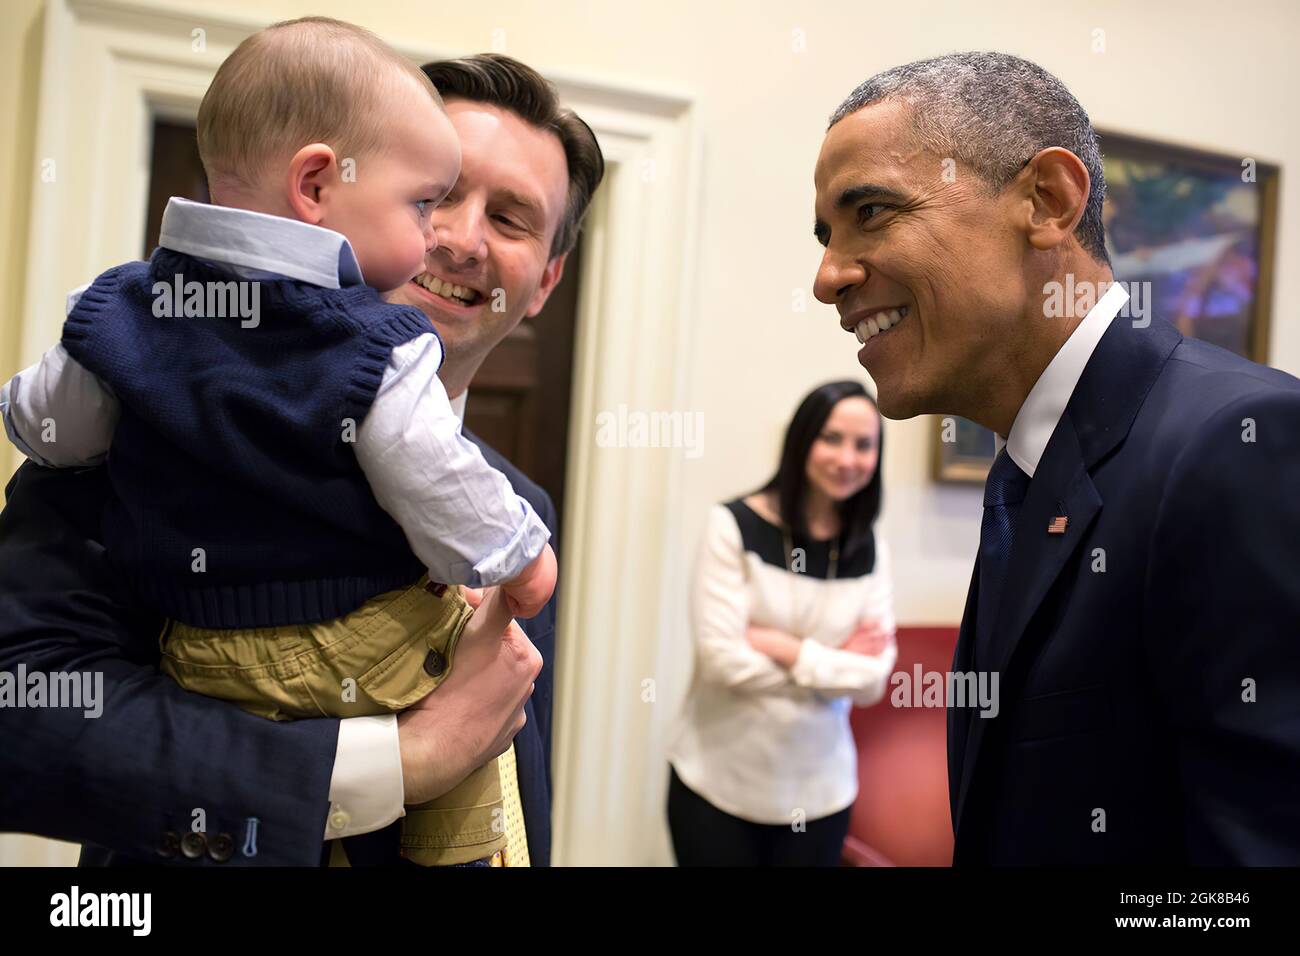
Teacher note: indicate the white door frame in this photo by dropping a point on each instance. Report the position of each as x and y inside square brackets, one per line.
[110, 67]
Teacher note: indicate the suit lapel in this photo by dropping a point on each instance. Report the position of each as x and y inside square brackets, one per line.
[1100, 413]
[1060, 486]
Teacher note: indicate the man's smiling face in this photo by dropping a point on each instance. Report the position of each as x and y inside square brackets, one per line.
[494, 232]
[936, 254]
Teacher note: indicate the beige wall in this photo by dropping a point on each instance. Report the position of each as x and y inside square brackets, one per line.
[20, 57]
[1188, 72]
[20, 52]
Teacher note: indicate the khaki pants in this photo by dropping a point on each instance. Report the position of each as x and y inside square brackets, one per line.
[381, 658]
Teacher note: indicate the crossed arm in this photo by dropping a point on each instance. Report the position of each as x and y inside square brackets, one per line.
[754, 659]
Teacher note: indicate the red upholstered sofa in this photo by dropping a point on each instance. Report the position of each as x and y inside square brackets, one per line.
[901, 816]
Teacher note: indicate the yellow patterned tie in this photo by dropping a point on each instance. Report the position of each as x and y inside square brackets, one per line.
[516, 851]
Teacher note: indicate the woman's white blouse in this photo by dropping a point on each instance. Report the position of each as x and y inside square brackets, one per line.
[757, 740]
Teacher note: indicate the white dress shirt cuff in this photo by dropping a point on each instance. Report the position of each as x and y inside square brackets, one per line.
[366, 786]
[509, 561]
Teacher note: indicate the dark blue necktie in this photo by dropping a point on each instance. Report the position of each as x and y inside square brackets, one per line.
[1003, 494]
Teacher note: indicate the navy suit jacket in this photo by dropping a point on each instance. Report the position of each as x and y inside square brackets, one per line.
[120, 783]
[1149, 657]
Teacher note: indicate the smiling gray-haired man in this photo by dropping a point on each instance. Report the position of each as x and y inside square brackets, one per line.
[1138, 581]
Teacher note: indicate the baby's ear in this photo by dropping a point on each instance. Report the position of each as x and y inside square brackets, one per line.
[312, 170]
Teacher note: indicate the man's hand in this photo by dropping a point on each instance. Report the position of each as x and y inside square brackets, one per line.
[474, 714]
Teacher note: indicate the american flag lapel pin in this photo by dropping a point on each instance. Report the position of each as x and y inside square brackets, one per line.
[1058, 525]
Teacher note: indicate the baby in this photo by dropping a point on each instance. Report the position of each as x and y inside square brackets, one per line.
[291, 488]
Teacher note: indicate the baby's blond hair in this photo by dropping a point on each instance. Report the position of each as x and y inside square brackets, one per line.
[311, 80]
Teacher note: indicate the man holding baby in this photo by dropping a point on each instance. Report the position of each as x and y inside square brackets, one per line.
[280, 792]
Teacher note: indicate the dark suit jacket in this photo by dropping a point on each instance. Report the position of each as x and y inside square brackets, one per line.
[118, 784]
[1123, 735]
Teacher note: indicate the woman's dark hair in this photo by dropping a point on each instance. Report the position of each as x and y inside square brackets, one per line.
[790, 482]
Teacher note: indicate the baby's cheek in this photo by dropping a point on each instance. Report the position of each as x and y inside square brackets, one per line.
[417, 247]
[404, 253]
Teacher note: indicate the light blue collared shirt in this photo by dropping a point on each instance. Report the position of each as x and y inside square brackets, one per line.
[256, 245]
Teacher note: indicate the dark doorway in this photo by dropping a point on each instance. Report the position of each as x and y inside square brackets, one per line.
[519, 401]
[174, 170]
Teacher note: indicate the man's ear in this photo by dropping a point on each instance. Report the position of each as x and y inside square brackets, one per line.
[1057, 191]
[550, 279]
[312, 171]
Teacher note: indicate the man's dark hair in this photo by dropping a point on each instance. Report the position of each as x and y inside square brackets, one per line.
[858, 513]
[994, 112]
[504, 82]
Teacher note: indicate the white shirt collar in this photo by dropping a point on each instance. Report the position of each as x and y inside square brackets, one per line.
[259, 243]
[458, 405]
[1046, 401]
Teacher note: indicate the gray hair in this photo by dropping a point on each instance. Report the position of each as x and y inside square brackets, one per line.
[994, 112]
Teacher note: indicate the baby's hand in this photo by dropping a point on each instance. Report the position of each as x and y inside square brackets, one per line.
[528, 593]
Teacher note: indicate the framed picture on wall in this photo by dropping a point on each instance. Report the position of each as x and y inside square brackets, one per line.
[1196, 231]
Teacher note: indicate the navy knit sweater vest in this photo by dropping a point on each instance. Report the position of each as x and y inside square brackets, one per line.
[238, 500]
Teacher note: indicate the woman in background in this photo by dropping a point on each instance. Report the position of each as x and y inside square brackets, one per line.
[793, 623]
